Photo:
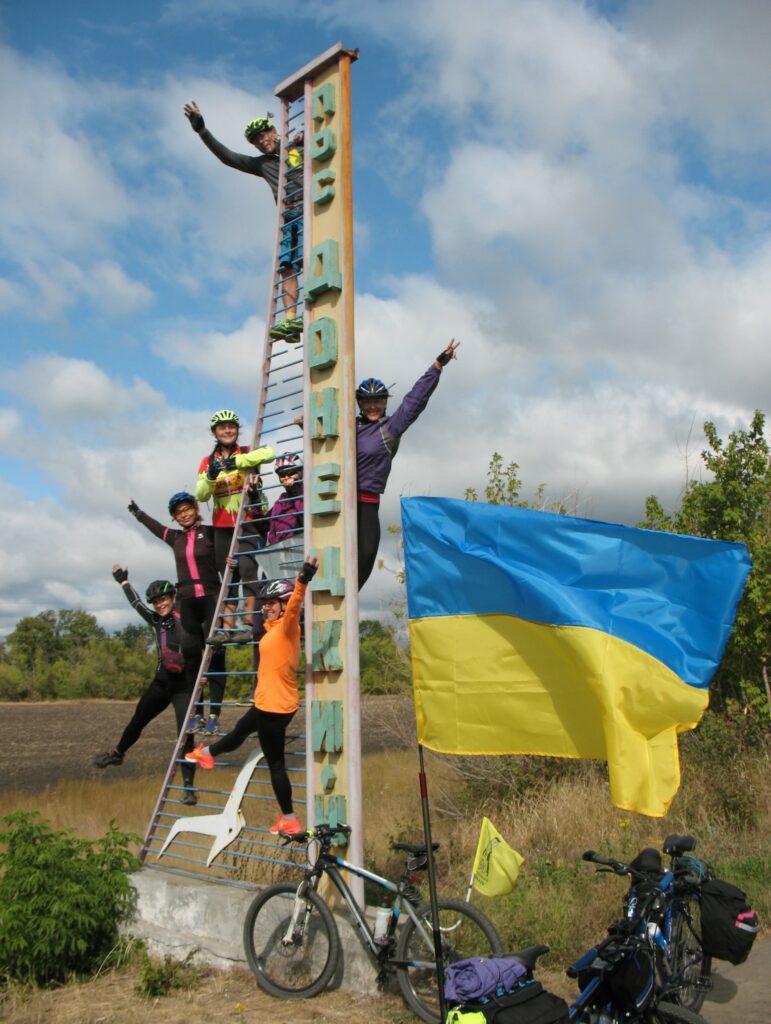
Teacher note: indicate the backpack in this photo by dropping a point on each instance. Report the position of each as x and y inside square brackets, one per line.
[728, 923]
[529, 1003]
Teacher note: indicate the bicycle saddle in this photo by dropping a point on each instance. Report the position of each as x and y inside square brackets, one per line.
[416, 849]
[673, 845]
[527, 956]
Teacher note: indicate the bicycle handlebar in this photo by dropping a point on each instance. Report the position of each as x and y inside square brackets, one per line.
[615, 865]
[323, 833]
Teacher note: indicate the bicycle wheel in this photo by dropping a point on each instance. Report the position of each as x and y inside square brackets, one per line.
[689, 969]
[291, 959]
[669, 1013]
[465, 932]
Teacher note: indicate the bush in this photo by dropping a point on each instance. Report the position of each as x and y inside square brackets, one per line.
[61, 899]
[162, 977]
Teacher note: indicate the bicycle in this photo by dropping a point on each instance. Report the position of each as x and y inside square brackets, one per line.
[616, 983]
[293, 946]
[665, 905]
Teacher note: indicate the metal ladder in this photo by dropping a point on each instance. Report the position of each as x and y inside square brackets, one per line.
[255, 853]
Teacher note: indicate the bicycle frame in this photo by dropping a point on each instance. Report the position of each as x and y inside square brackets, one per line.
[331, 865]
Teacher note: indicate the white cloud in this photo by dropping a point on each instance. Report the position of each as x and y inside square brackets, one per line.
[77, 389]
[234, 358]
[113, 291]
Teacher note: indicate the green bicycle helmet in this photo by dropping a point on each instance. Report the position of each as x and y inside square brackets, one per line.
[224, 416]
[258, 126]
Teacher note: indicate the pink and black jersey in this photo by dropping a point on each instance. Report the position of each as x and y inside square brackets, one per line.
[193, 549]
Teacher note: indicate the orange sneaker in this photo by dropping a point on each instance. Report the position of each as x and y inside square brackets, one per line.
[199, 757]
[286, 826]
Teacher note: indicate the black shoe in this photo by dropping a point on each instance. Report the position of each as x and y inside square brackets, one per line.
[107, 758]
[189, 798]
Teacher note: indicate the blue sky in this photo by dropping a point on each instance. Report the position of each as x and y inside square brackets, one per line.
[578, 191]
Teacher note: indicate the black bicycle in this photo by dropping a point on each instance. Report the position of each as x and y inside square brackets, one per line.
[664, 904]
[293, 946]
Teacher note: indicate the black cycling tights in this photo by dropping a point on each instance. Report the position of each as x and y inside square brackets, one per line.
[156, 698]
[368, 527]
[271, 729]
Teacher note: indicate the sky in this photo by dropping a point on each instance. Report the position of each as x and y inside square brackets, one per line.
[577, 191]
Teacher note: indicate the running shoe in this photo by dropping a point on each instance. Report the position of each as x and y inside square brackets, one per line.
[287, 330]
[212, 726]
[189, 798]
[247, 700]
[219, 636]
[107, 758]
[241, 636]
[286, 826]
[197, 754]
[195, 724]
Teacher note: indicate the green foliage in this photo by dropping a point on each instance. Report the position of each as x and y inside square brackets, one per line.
[61, 899]
[384, 662]
[740, 745]
[161, 977]
[503, 484]
[67, 655]
[734, 505]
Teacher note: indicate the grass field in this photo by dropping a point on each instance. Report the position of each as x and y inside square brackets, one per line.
[724, 800]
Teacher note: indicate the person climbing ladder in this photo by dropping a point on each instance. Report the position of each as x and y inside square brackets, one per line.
[262, 134]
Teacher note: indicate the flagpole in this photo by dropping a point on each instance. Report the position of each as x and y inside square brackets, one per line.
[432, 887]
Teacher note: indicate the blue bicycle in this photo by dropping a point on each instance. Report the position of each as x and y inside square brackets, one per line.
[665, 906]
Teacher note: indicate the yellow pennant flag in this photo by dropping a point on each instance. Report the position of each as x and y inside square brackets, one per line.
[496, 864]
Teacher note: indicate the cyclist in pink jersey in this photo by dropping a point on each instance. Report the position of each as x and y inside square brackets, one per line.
[198, 590]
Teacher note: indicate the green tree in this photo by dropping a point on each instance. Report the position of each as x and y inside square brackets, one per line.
[734, 505]
[77, 628]
[34, 640]
[384, 663]
[139, 636]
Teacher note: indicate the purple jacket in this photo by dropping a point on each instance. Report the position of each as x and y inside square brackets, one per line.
[377, 443]
[286, 518]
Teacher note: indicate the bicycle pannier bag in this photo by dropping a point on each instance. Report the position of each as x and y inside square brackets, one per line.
[729, 924]
[631, 982]
[527, 1004]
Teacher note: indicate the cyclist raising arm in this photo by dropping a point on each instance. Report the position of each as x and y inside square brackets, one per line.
[377, 441]
[276, 697]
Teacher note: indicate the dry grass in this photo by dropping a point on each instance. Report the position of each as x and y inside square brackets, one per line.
[559, 899]
[229, 997]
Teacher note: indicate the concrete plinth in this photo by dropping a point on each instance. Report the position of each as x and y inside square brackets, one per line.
[175, 914]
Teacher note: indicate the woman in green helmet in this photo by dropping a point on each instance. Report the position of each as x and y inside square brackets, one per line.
[224, 475]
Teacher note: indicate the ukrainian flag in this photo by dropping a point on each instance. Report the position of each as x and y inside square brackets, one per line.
[535, 633]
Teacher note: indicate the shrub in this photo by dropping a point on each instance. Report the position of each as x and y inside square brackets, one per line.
[61, 899]
[162, 977]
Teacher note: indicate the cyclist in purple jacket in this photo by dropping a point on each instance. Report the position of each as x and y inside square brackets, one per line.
[377, 441]
[286, 515]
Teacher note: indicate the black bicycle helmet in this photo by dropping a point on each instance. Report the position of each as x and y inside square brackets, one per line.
[372, 387]
[160, 588]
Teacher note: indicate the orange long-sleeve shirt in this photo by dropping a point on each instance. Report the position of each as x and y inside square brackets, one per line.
[279, 657]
